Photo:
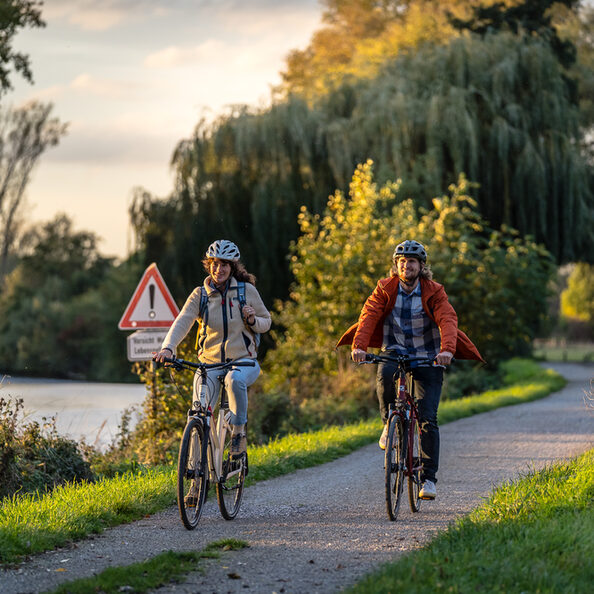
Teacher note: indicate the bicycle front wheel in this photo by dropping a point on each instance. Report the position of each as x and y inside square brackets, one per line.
[414, 475]
[191, 474]
[230, 486]
[394, 465]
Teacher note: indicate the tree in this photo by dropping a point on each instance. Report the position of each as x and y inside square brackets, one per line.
[25, 133]
[577, 300]
[496, 280]
[530, 17]
[49, 320]
[15, 15]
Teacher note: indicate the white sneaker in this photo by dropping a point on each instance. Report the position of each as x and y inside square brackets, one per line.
[428, 490]
[383, 437]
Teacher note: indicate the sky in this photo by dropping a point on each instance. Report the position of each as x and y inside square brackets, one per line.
[132, 78]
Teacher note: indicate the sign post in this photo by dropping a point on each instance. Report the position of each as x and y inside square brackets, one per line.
[151, 312]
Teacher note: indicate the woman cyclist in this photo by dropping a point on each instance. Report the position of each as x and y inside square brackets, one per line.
[231, 315]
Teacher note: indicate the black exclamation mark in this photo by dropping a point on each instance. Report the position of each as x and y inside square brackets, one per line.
[152, 313]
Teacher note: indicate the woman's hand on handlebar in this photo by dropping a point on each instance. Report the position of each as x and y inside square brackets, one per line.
[358, 355]
[163, 355]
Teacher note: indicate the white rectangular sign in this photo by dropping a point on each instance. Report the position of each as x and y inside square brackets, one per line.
[143, 343]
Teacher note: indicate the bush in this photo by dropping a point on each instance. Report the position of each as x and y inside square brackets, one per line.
[34, 458]
[464, 378]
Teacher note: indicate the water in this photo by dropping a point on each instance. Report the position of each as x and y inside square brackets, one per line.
[83, 409]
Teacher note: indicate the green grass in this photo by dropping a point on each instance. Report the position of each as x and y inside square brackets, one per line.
[533, 535]
[572, 352]
[166, 568]
[524, 381]
[30, 524]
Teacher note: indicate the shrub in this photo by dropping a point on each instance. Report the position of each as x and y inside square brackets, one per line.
[34, 458]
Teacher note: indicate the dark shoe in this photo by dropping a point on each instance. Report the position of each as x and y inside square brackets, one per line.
[238, 445]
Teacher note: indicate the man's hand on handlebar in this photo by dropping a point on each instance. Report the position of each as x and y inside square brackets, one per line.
[163, 355]
[358, 355]
[444, 358]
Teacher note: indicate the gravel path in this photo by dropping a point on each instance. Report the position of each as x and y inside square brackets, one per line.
[321, 529]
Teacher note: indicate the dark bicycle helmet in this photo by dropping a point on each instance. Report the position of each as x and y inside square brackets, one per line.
[223, 249]
[410, 249]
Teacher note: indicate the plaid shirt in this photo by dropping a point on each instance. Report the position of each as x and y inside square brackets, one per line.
[408, 330]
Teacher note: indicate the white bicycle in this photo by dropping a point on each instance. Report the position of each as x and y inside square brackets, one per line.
[205, 450]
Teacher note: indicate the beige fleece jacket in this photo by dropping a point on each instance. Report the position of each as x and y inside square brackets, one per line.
[225, 336]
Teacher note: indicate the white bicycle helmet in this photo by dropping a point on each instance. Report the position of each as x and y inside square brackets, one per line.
[410, 248]
[224, 250]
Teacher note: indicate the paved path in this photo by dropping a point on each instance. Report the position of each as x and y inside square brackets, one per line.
[322, 529]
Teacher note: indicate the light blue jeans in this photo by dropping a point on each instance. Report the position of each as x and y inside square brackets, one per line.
[237, 381]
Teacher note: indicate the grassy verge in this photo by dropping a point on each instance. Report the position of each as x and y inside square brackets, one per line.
[31, 524]
[533, 535]
[166, 568]
[524, 381]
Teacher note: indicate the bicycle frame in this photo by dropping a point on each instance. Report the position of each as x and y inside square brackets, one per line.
[214, 440]
[402, 458]
[406, 408]
[213, 463]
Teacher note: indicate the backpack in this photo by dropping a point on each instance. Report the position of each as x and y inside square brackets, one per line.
[203, 311]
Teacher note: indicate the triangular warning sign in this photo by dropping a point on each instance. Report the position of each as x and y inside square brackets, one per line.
[152, 305]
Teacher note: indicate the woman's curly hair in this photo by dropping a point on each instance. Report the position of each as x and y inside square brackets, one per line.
[238, 271]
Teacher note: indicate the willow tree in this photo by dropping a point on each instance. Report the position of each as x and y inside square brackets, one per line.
[243, 177]
[498, 109]
[495, 107]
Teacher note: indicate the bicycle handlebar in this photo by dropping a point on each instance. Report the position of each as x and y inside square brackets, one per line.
[396, 358]
[179, 364]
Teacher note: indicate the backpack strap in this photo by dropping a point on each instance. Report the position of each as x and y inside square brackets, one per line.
[203, 311]
[202, 315]
[242, 302]
[241, 294]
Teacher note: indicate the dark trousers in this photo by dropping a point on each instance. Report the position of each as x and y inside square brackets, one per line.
[427, 382]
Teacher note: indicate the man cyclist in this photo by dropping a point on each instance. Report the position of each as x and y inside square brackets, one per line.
[408, 313]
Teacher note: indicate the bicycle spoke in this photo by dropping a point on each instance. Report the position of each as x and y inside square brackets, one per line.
[414, 477]
[191, 484]
[394, 466]
[230, 489]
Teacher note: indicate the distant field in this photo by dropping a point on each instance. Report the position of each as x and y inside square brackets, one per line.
[574, 352]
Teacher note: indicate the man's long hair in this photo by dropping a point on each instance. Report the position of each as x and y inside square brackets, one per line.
[425, 273]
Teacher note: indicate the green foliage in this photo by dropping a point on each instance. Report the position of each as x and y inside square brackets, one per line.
[577, 300]
[15, 15]
[33, 457]
[490, 276]
[60, 306]
[31, 524]
[534, 17]
[533, 535]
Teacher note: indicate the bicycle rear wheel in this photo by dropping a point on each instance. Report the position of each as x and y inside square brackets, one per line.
[191, 483]
[394, 465]
[414, 476]
[230, 487]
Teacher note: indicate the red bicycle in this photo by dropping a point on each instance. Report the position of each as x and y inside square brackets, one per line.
[403, 444]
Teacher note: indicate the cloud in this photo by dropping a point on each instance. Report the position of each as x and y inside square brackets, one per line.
[111, 144]
[112, 89]
[175, 56]
[102, 15]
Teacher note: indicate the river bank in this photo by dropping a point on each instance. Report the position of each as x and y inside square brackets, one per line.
[84, 410]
